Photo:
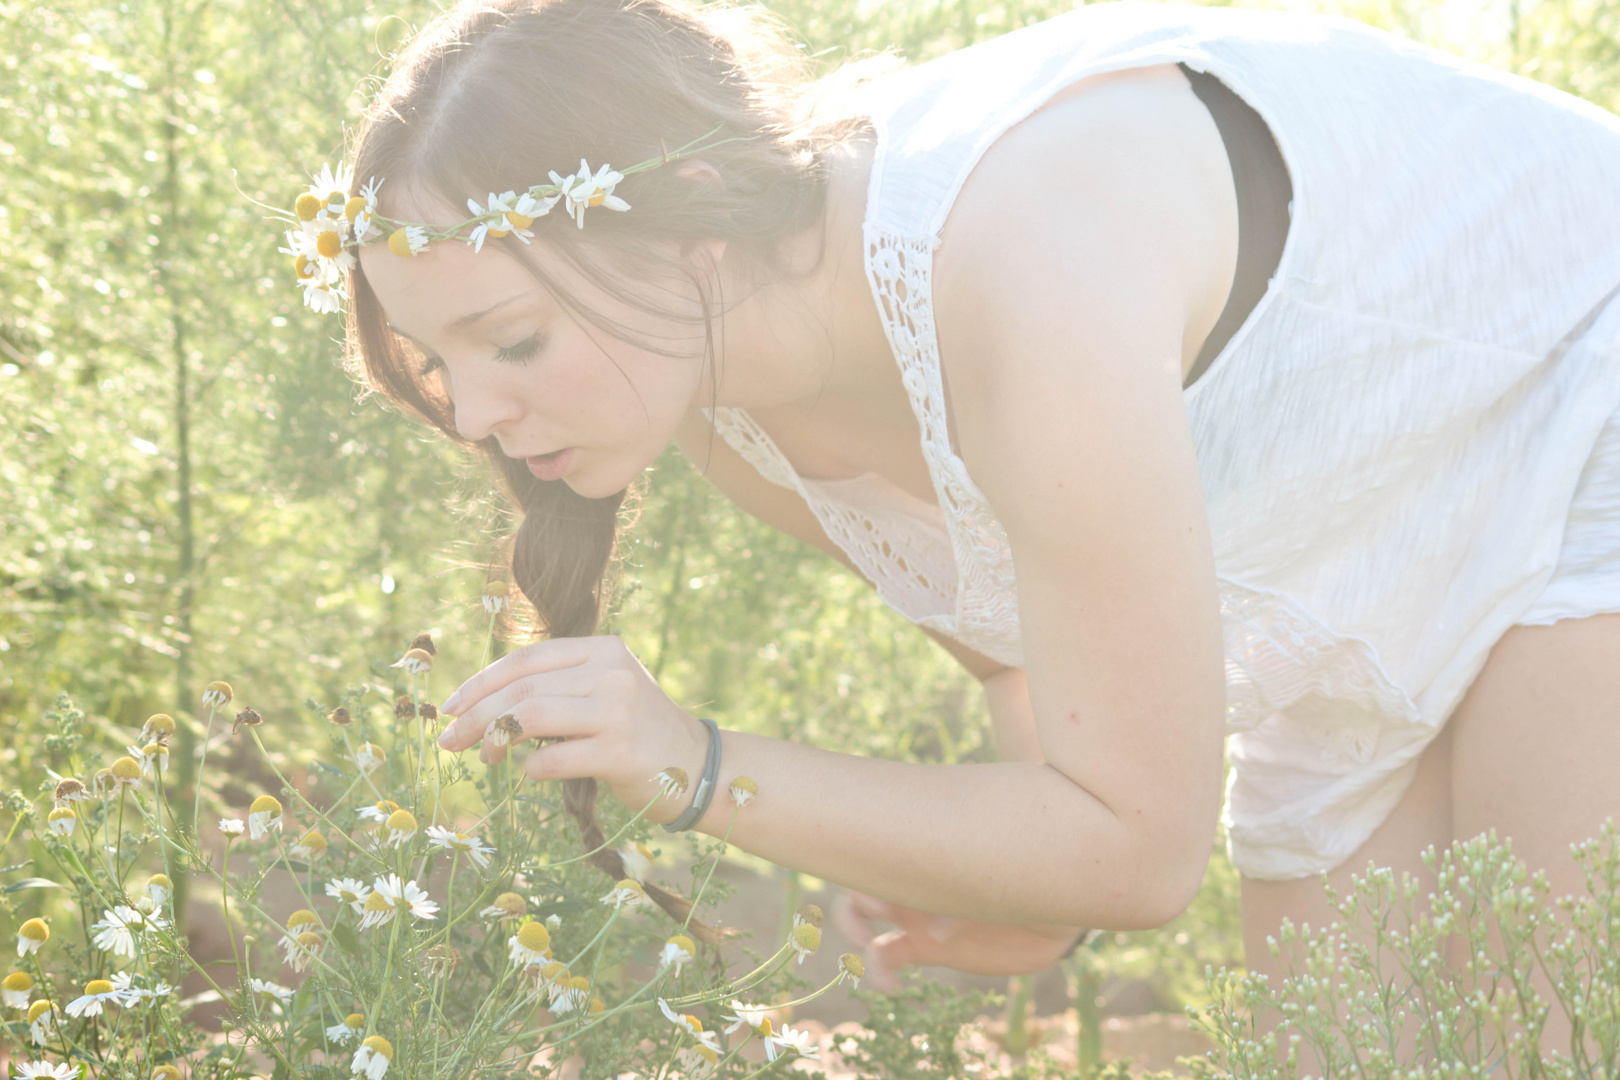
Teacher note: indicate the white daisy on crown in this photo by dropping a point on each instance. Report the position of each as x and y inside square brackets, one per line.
[327, 224]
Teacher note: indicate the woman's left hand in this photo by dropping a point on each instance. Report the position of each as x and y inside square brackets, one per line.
[613, 720]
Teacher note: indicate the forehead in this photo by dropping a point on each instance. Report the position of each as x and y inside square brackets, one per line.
[427, 294]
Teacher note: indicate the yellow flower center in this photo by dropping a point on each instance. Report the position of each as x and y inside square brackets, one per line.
[511, 903]
[265, 804]
[306, 208]
[126, 769]
[377, 902]
[39, 1009]
[380, 1045]
[355, 1020]
[520, 221]
[534, 937]
[18, 980]
[97, 986]
[497, 233]
[302, 917]
[402, 821]
[309, 939]
[160, 880]
[400, 244]
[329, 243]
[352, 208]
[313, 840]
[336, 198]
[160, 724]
[166, 1072]
[807, 937]
[34, 930]
[596, 200]
[303, 268]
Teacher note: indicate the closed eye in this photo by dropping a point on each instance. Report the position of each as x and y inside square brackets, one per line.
[523, 351]
[429, 366]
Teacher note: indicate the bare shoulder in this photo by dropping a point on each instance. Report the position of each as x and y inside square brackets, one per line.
[1118, 187]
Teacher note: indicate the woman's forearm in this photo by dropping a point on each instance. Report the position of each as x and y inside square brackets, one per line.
[1009, 842]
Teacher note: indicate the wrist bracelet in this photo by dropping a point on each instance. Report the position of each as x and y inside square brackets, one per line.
[705, 788]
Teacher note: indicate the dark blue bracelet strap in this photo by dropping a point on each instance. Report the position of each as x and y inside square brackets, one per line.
[705, 788]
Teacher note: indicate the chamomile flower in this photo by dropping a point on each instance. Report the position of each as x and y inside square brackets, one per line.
[390, 896]
[471, 846]
[508, 905]
[401, 826]
[408, 242]
[369, 756]
[582, 190]
[269, 989]
[489, 230]
[70, 790]
[362, 208]
[311, 845]
[497, 597]
[851, 967]
[158, 727]
[62, 821]
[743, 791]
[752, 1017]
[115, 931]
[442, 961]
[31, 935]
[672, 781]
[349, 1028]
[264, 815]
[415, 662]
[637, 859]
[152, 758]
[570, 995]
[97, 992]
[159, 888]
[349, 891]
[232, 827]
[166, 1072]
[678, 951]
[103, 784]
[549, 977]
[16, 989]
[134, 994]
[530, 945]
[799, 1040]
[42, 1021]
[502, 730]
[217, 694]
[371, 1060]
[323, 299]
[379, 811]
[126, 772]
[330, 189]
[44, 1070]
[697, 1062]
[805, 939]
[809, 915]
[626, 893]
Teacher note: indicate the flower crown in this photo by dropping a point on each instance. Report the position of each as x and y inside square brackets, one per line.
[327, 224]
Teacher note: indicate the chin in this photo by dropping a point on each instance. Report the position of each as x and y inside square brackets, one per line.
[598, 482]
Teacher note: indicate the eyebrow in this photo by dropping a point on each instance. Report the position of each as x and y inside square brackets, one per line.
[465, 320]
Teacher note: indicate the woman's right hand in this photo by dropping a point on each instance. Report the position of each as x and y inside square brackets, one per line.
[929, 940]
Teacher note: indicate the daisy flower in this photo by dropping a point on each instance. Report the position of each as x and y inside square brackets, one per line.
[638, 860]
[549, 977]
[41, 1021]
[583, 190]
[851, 967]
[805, 939]
[158, 726]
[330, 189]
[351, 1027]
[159, 889]
[217, 693]
[16, 989]
[362, 208]
[62, 821]
[530, 945]
[264, 815]
[152, 758]
[369, 756]
[390, 896]
[471, 846]
[379, 811]
[311, 845]
[502, 730]
[743, 791]
[752, 1017]
[799, 1040]
[415, 662]
[497, 597]
[672, 781]
[508, 905]
[627, 893]
[323, 299]
[349, 891]
[570, 995]
[271, 990]
[491, 230]
[44, 1070]
[96, 993]
[371, 1060]
[31, 935]
[678, 951]
[115, 931]
[70, 790]
[697, 1062]
[232, 827]
[302, 951]
[124, 983]
[408, 242]
[401, 825]
[126, 772]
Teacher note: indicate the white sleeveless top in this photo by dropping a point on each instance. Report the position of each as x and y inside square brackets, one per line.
[1388, 445]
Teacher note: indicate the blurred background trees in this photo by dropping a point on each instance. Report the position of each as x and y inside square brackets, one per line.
[190, 489]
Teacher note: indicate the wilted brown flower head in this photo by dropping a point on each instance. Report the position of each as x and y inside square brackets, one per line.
[425, 643]
[70, 790]
[404, 707]
[428, 711]
[340, 716]
[249, 716]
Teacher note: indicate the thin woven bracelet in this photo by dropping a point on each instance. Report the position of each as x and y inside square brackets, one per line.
[705, 788]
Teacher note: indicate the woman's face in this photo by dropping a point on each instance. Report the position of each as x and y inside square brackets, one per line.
[581, 405]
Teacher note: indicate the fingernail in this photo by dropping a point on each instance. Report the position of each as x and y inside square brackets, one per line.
[444, 739]
[451, 705]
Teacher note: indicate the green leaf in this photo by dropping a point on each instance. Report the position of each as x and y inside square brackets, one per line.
[31, 883]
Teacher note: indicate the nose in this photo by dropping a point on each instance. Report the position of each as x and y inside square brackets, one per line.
[483, 408]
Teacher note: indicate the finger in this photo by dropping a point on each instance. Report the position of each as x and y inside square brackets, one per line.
[549, 655]
[470, 726]
[539, 718]
[870, 907]
[849, 919]
[564, 760]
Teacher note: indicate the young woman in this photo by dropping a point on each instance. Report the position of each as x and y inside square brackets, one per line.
[1181, 371]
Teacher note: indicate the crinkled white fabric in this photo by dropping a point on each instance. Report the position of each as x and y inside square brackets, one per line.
[1390, 445]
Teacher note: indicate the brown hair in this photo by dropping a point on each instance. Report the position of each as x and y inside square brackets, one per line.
[495, 94]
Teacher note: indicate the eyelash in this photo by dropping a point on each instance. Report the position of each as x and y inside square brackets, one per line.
[522, 352]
